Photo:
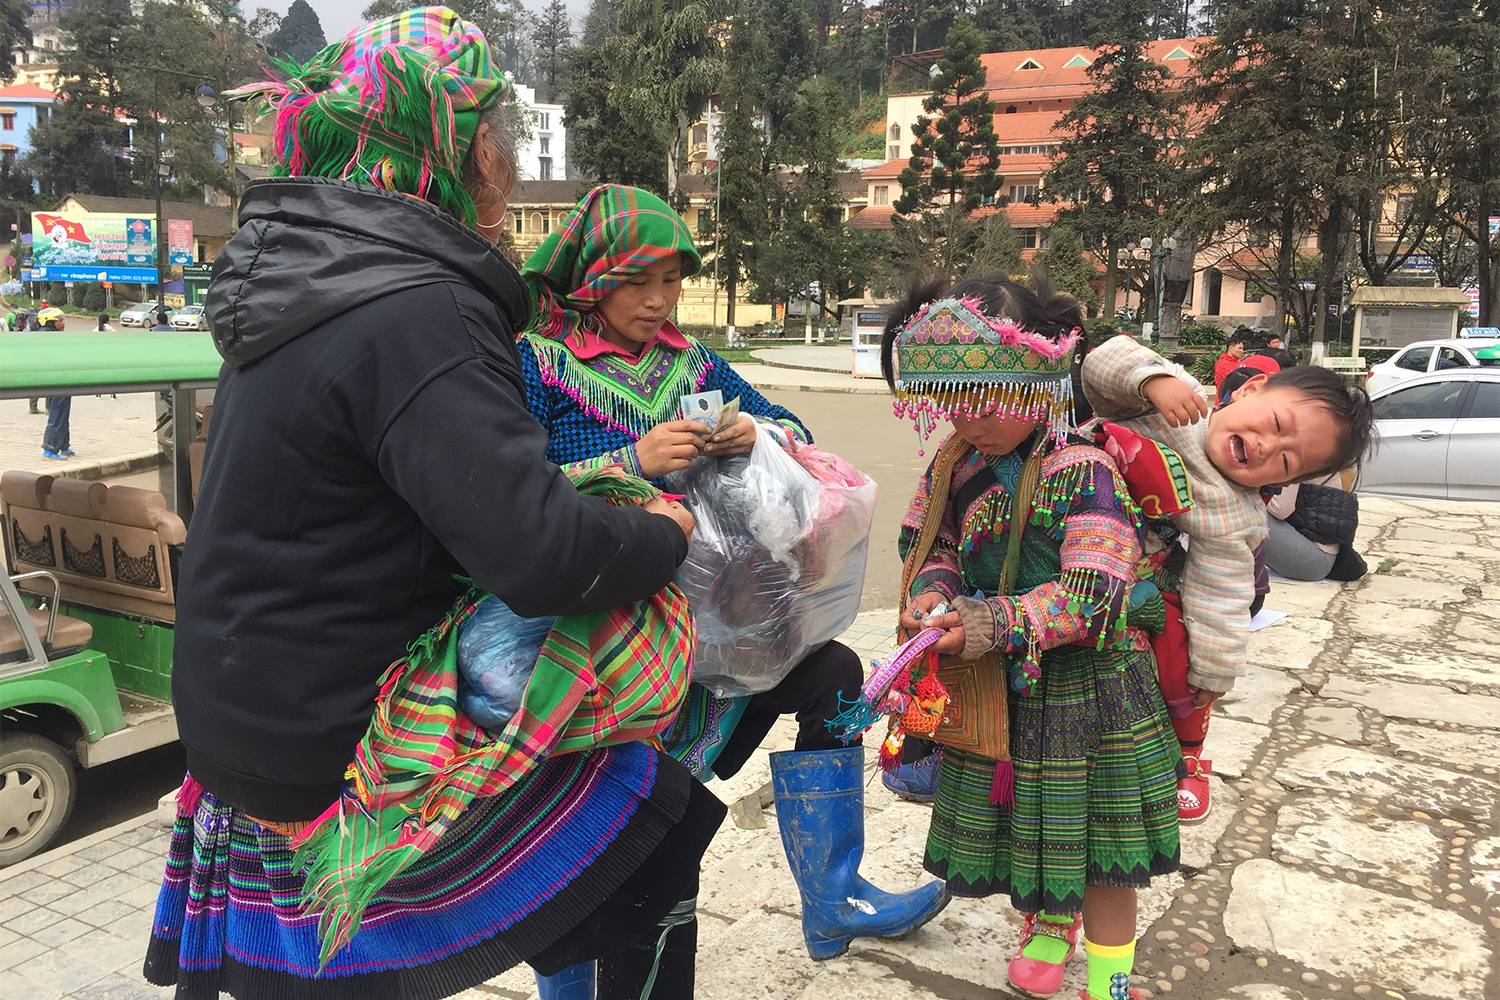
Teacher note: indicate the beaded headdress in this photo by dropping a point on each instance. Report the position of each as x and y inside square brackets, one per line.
[953, 360]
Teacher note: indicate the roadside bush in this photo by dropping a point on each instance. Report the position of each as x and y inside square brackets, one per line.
[1201, 335]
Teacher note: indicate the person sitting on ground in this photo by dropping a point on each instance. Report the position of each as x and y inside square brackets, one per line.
[1312, 528]
[104, 326]
[1234, 352]
[162, 321]
[1296, 425]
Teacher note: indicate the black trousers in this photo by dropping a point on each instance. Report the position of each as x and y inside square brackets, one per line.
[811, 692]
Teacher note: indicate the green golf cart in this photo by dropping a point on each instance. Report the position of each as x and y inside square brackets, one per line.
[88, 599]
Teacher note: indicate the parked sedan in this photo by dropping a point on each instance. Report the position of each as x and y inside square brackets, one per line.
[189, 318]
[1439, 436]
[1427, 356]
[141, 314]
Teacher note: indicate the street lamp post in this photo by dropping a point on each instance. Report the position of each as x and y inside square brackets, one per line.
[207, 98]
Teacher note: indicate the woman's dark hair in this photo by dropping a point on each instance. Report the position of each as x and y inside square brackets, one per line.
[103, 320]
[1042, 305]
[1348, 404]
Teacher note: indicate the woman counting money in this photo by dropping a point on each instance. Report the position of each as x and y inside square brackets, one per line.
[607, 374]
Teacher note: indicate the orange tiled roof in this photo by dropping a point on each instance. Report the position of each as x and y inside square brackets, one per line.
[886, 171]
[872, 217]
[27, 92]
[1056, 77]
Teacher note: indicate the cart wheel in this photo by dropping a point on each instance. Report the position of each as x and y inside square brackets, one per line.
[37, 789]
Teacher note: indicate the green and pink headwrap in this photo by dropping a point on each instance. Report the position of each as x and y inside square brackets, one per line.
[395, 103]
[614, 232]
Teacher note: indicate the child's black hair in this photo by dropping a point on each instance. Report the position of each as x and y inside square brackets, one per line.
[1042, 305]
[1348, 404]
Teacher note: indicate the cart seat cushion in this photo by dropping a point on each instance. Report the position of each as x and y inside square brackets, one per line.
[110, 546]
[68, 633]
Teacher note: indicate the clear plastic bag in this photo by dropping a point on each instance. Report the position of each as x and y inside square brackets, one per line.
[777, 562]
[497, 651]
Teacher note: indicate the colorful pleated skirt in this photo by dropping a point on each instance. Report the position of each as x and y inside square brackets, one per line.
[515, 876]
[1096, 770]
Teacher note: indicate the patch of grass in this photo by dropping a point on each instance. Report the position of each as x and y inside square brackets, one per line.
[1387, 564]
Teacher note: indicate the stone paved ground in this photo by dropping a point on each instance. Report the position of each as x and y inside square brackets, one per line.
[114, 431]
[1354, 849]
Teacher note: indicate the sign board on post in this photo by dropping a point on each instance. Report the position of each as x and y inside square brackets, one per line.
[94, 247]
[179, 241]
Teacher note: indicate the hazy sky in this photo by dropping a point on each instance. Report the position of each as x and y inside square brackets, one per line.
[338, 16]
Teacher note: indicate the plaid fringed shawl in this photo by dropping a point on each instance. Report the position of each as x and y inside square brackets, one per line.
[613, 677]
[394, 103]
[614, 232]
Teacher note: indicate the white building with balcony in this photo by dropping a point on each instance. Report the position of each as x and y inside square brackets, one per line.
[545, 157]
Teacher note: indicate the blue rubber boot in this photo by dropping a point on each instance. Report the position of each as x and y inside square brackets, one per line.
[820, 807]
[918, 780]
[576, 982]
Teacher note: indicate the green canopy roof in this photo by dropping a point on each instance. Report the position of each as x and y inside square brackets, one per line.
[120, 361]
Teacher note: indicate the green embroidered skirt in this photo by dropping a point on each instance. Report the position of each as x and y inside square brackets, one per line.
[1096, 770]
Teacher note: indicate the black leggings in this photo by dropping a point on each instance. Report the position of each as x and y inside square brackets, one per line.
[810, 692]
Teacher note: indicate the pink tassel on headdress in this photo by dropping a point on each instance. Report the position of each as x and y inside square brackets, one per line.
[1003, 786]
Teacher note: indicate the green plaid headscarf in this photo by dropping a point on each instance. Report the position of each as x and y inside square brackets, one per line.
[395, 103]
[614, 232]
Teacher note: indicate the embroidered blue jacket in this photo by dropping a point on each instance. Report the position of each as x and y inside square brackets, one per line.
[596, 409]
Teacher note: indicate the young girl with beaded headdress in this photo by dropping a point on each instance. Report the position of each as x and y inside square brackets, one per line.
[1085, 812]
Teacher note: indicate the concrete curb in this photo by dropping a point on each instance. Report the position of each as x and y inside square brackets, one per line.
[46, 857]
[798, 368]
[119, 465]
[853, 390]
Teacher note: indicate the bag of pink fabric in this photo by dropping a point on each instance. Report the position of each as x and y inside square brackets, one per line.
[776, 567]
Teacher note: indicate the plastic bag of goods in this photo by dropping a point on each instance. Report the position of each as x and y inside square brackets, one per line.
[497, 652]
[776, 566]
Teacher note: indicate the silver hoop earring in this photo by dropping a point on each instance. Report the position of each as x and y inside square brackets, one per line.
[493, 225]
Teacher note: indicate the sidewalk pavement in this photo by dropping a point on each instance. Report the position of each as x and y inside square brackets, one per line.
[1353, 849]
[112, 435]
[813, 357]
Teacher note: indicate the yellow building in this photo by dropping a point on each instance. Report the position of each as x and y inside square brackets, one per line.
[536, 208]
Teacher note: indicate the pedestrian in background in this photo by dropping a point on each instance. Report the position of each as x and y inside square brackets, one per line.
[1234, 353]
[104, 326]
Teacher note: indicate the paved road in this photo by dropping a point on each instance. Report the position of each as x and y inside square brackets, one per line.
[1354, 848]
[863, 430]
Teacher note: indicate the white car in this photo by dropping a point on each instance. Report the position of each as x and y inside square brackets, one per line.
[142, 314]
[1426, 356]
[1438, 436]
[189, 318]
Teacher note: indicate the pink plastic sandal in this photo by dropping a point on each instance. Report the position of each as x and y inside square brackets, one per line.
[1032, 976]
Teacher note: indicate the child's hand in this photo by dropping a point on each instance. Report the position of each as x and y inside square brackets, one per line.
[1202, 696]
[916, 617]
[1175, 400]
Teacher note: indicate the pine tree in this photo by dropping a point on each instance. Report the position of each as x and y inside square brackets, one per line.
[552, 35]
[665, 61]
[742, 177]
[1466, 36]
[604, 143]
[73, 148]
[600, 23]
[1266, 155]
[1065, 264]
[14, 35]
[955, 156]
[300, 35]
[1111, 167]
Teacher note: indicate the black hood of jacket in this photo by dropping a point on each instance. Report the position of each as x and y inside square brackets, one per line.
[311, 248]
